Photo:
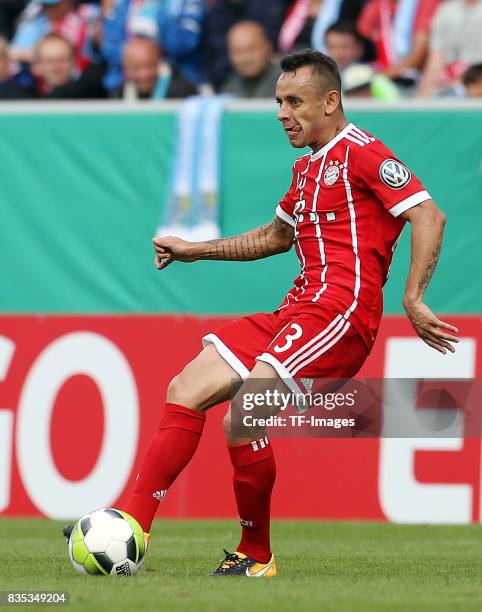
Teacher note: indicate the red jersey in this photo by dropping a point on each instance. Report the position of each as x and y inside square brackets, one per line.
[345, 203]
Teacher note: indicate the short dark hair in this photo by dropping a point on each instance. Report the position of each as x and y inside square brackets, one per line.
[323, 67]
[473, 74]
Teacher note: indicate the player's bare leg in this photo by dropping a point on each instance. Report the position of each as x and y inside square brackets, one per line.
[254, 475]
[204, 382]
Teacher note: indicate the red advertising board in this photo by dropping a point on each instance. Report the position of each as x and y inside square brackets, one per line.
[80, 397]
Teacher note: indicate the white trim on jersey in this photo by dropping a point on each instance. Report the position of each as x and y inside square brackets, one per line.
[321, 244]
[323, 350]
[410, 202]
[359, 137]
[287, 300]
[226, 354]
[307, 165]
[303, 263]
[281, 371]
[284, 216]
[359, 134]
[310, 343]
[303, 266]
[365, 137]
[301, 180]
[300, 158]
[300, 184]
[353, 138]
[354, 237]
[324, 286]
[329, 145]
[307, 355]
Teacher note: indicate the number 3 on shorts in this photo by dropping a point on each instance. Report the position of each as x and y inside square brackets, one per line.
[289, 338]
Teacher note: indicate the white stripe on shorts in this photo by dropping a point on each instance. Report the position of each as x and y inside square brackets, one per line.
[316, 346]
[322, 350]
[307, 345]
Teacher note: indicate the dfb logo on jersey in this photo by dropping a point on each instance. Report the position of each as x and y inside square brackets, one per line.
[394, 174]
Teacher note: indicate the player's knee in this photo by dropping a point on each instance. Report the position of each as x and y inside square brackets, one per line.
[175, 389]
[180, 392]
[227, 425]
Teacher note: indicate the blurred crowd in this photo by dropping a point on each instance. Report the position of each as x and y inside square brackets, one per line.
[158, 49]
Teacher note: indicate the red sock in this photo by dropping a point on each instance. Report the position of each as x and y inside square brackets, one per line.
[254, 476]
[169, 452]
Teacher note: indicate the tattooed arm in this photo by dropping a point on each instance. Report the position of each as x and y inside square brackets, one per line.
[270, 239]
[427, 229]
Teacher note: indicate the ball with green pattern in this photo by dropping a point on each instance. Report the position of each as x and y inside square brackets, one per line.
[107, 542]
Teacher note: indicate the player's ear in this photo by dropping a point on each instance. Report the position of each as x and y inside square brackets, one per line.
[332, 102]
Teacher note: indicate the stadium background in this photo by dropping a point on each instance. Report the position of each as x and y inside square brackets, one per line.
[91, 333]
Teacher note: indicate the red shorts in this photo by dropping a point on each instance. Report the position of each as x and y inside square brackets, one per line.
[297, 346]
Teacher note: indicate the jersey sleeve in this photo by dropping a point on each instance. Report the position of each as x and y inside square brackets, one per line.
[285, 209]
[397, 188]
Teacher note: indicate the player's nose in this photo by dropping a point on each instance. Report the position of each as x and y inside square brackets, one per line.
[282, 114]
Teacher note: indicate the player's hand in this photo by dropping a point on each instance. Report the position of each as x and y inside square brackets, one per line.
[169, 248]
[432, 330]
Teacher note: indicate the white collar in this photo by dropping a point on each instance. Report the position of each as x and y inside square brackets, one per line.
[329, 145]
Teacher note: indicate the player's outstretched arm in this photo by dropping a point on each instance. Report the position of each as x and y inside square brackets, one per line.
[264, 241]
[427, 229]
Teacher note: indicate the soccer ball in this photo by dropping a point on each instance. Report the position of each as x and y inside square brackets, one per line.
[107, 541]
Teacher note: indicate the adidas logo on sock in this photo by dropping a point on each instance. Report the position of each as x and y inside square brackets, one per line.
[308, 382]
[259, 444]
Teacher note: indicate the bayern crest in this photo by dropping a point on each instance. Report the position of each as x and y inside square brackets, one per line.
[394, 174]
[331, 175]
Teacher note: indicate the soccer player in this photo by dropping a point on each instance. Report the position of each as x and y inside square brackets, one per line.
[347, 204]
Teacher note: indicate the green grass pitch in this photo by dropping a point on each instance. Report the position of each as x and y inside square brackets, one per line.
[322, 566]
